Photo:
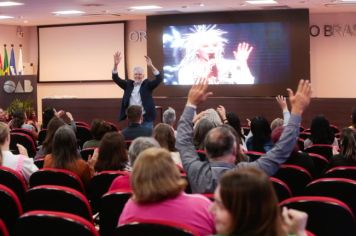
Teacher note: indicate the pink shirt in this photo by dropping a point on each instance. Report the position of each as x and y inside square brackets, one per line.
[122, 182]
[187, 209]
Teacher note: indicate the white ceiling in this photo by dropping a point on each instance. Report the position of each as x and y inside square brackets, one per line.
[38, 12]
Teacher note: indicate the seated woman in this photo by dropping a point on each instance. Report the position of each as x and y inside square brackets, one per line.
[140, 144]
[112, 154]
[66, 156]
[98, 129]
[164, 134]
[321, 133]
[158, 194]
[46, 147]
[261, 135]
[19, 120]
[246, 204]
[21, 163]
[347, 156]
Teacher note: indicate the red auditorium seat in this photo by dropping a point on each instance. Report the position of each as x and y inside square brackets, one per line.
[52, 176]
[58, 198]
[13, 180]
[110, 209]
[10, 207]
[44, 223]
[154, 227]
[295, 177]
[326, 216]
[348, 172]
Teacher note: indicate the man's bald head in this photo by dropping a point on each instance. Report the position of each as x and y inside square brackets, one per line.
[219, 142]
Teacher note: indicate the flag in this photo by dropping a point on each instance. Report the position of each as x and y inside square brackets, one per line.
[12, 62]
[1, 71]
[20, 64]
[6, 69]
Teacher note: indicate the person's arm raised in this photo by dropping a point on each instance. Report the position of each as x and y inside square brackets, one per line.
[281, 151]
[158, 77]
[115, 77]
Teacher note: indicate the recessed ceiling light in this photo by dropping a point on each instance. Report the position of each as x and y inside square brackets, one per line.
[5, 17]
[150, 7]
[68, 12]
[9, 4]
[262, 2]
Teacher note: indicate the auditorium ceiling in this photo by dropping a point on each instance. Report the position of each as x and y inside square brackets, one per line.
[40, 12]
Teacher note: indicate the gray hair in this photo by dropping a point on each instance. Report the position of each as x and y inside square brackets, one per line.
[277, 123]
[139, 145]
[138, 70]
[169, 116]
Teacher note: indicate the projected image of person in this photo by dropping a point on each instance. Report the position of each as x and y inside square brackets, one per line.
[204, 57]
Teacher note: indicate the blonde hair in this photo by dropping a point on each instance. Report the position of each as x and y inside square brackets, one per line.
[4, 133]
[155, 177]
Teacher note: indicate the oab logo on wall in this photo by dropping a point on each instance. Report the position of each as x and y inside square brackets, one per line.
[16, 87]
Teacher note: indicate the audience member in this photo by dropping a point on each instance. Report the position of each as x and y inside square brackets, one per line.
[220, 144]
[135, 129]
[47, 115]
[321, 133]
[260, 141]
[158, 194]
[137, 146]
[347, 156]
[66, 156]
[3, 117]
[169, 117]
[234, 121]
[46, 147]
[200, 131]
[296, 157]
[246, 204]
[164, 134]
[112, 153]
[21, 163]
[32, 120]
[98, 129]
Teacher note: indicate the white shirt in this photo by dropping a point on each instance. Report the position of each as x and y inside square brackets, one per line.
[11, 161]
[135, 98]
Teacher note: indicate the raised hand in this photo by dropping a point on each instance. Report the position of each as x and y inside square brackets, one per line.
[117, 59]
[198, 92]
[22, 150]
[222, 112]
[294, 221]
[243, 52]
[148, 60]
[301, 99]
[282, 102]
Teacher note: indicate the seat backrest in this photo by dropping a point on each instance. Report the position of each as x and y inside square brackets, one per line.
[13, 180]
[110, 209]
[282, 189]
[304, 135]
[339, 188]
[253, 155]
[23, 139]
[82, 123]
[10, 207]
[320, 163]
[348, 172]
[84, 153]
[41, 136]
[326, 150]
[100, 184]
[24, 131]
[58, 198]
[44, 223]
[52, 176]
[154, 227]
[326, 216]
[301, 144]
[3, 229]
[294, 176]
[113, 126]
[83, 134]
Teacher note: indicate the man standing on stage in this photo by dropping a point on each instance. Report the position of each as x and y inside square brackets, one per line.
[138, 91]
